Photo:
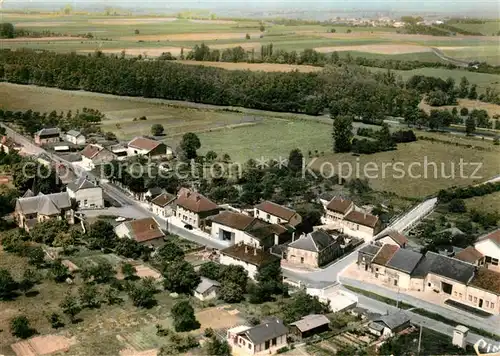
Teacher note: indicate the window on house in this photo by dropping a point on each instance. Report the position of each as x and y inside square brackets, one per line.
[460, 295]
[428, 284]
[302, 260]
[268, 216]
[274, 342]
[487, 304]
[455, 294]
[494, 261]
[376, 269]
[488, 259]
[395, 282]
[475, 299]
[470, 298]
[492, 306]
[249, 345]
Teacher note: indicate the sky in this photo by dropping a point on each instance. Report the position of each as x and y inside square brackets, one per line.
[491, 7]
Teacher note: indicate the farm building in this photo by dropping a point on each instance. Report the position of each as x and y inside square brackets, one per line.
[207, 289]
[144, 146]
[145, 231]
[277, 214]
[75, 137]
[93, 155]
[388, 325]
[310, 325]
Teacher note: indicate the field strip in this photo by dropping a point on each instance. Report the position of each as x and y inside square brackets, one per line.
[205, 36]
[265, 67]
[135, 51]
[377, 48]
[132, 21]
[42, 23]
[220, 128]
[41, 39]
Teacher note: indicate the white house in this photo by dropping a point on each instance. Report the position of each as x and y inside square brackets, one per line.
[489, 247]
[75, 137]
[276, 214]
[162, 205]
[86, 193]
[266, 338]
[250, 258]
[207, 289]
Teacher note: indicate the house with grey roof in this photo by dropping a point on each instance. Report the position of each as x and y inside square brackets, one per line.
[315, 249]
[75, 137]
[85, 193]
[388, 325]
[265, 338]
[207, 289]
[31, 209]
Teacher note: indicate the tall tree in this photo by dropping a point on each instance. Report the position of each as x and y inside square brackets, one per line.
[342, 133]
[180, 277]
[157, 130]
[189, 144]
[295, 160]
[470, 125]
[7, 285]
[184, 318]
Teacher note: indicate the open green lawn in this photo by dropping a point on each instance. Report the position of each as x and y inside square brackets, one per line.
[483, 53]
[488, 28]
[490, 202]
[255, 134]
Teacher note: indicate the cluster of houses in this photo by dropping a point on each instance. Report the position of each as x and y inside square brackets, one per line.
[94, 154]
[471, 277]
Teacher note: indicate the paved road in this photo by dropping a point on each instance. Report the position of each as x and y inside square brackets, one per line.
[457, 62]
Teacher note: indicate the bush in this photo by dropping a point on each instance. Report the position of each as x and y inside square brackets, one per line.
[20, 327]
[457, 206]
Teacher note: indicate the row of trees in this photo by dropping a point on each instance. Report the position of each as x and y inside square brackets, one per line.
[309, 93]
[446, 195]
[269, 54]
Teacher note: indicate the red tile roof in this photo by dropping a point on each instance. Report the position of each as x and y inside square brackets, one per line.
[339, 205]
[249, 254]
[493, 236]
[145, 229]
[235, 220]
[163, 199]
[362, 218]
[91, 151]
[143, 143]
[470, 254]
[399, 238]
[194, 202]
[276, 210]
[385, 254]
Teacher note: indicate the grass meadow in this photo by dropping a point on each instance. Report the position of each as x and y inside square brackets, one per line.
[255, 134]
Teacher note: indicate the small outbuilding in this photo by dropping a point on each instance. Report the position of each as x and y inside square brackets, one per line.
[310, 325]
[207, 289]
[388, 325]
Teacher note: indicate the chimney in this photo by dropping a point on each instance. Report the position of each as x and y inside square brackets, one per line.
[255, 251]
[198, 198]
[246, 249]
[365, 214]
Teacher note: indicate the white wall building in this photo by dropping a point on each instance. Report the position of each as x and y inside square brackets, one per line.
[85, 193]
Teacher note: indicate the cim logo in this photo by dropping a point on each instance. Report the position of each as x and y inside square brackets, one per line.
[489, 349]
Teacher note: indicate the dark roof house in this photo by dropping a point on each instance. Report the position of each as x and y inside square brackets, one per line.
[80, 184]
[448, 267]
[270, 328]
[48, 132]
[315, 241]
[404, 260]
[392, 321]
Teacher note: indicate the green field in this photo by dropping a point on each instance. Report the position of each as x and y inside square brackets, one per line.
[488, 28]
[490, 202]
[255, 134]
[131, 32]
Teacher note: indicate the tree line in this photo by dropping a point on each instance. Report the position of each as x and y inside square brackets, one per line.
[8, 30]
[309, 93]
[269, 54]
